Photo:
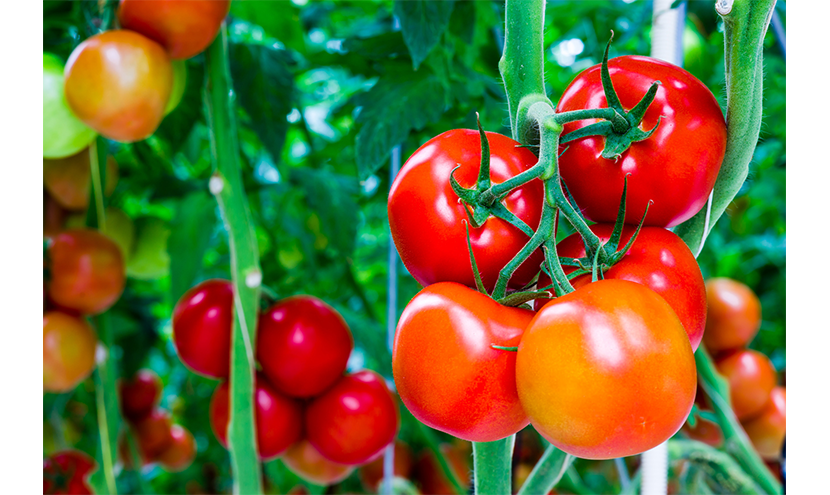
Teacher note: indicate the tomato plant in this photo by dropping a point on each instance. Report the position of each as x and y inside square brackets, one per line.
[140, 394]
[66, 472]
[751, 378]
[305, 461]
[63, 134]
[68, 179]
[181, 451]
[734, 315]
[767, 429]
[202, 322]
[371, 474]
[68, 351]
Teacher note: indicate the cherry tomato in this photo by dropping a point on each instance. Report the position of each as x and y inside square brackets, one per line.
[606, 371]
[183, 27]
[118, 82]
[278, 418]
[66, 472]
[119, 228]
[767, 430]
[304, 460]
[153, 434]
[54, 216]
[431, 478]
[303, 345]
[202, 323]
[68, 179]
[86, 269]
[179, 455]
[676, 167]
[426, 218]
[68, 351]
[63, 134]
[734, 315]
[371, 474]
[445, 371]
[751, 378]
[140, 395]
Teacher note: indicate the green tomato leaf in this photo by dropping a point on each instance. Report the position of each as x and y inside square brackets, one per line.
[191, 230]
[422, 22]
[280, 20]
[331, 197]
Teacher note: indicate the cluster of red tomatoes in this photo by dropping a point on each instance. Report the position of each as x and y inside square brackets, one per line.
[67, 472]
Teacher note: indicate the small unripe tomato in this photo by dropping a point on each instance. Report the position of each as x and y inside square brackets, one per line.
[751, 378]
[306, 462]
[63, 133]
[202, 323]
[179, 455]
[68, 351]
[734, 315]
[767, 430]
[140, 395]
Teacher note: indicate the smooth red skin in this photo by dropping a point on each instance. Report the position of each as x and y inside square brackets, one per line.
[183, 27]
[303, 345]
[445, 371]
[431, 478]
[767, 430]
[87, 271]
[153, 434]
[278, 418]
[676, 167]
[371, 474]
[68, 351]
[734, 315]
[202, 323]
[66, 472]
[140, 395]
[658, 259]
[606, 371]
[179, 455]
[426, 219]
[705, 431]
[304, 460]
[353, 421]
[751, 378]
[118, 82]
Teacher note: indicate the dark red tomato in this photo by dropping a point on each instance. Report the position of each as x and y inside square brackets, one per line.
[767, 430]
[202, 324]
[86, 269]
[431, 478]
[445, 371]
[153, 434]
[353, 421]
[66, 472]
[179, 455]
[426, 218]
[68, 179]
[658, 259]
[118, 83]
[371, 474]
[306, 462]
[303, 345]
[751, 378]
[734, 315]
[140, 395]
[606, 371]
[184, 27]
[68, 351]
[278, 418]
[676, 167]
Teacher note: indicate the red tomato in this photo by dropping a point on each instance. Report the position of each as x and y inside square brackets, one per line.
[140, 395]
[68, 351]
[278, 418]
[676, 167]
[751, 378]
[118, 82]
[86, 269]
[153, 434]
[426, 218]
[767, 430]
[658, 259]
[179, 455]
[734, 315]
[66, 472]
[353, 421]
[303, 345]
[445, 371]
[184, 27]
[68, 179]
[371, 474]
[606, 371]
[202, 324]
[431, 478]
[306, 462]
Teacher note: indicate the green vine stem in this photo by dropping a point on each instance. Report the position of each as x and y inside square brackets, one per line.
[716, 464]
[492, 466]
[547, 472]
[226, 186]
[745, 23]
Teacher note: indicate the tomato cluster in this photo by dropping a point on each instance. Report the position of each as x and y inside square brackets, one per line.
[66, 472]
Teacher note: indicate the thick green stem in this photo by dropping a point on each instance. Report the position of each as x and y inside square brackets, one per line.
[491, 464]
[106, 402]
[226, 185]
[547, 472]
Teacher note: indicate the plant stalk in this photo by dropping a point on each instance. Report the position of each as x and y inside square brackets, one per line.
[547, 472]
[492, 466]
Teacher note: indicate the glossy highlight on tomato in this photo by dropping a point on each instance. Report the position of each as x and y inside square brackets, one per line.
[67, 472]
[68, 351]
[734, 315]
[202, 323]
[751, 378]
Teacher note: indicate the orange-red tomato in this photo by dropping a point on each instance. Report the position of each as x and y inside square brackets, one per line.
[767, 430]
[371, 474]
[751, 378]
[153, 434]
[118, 82]
[68, 179]
[307, 463]
[181, 451]
[431, 478]
[68, 351]
[734, 315]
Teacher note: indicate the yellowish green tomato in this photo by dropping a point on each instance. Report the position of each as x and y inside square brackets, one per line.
[149, 259]
[63, 133]
[179, 83]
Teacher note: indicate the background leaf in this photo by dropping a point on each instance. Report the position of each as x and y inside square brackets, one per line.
[422, 22]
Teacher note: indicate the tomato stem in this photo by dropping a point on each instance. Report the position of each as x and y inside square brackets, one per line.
[492, 466]
[547, 472]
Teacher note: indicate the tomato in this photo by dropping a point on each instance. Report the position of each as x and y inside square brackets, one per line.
[445, 371]
[606, 371]
[303, 345]
[202, 323]
[179, 455]
[371, 474]
[658, 259]
[153, 434]
[68, 351]
[676, 167]
[183, 27]
[353, 421]
[278, 418]
[140, 395]
[431, 478]
[306, 462]
[179, 85]
[149, 259]
[705, 431]
[63, 134]
[768, 428]
[68, 179]
[734, 315]
[86, 270]
[751, 378]
[118, 82]
[66, 472]
[54, 216]
[426, 218]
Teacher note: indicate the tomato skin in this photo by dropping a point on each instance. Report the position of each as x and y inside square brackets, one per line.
[767, 430]
[63, 134]
[303, 345]
[371, 474]
[68, 179]
[734, 315]
[118, 82]
[140, 395]
[202, 323]
[751, 378]
[445, 371]
[153, 434]
[66, 472]
[179, 455]
[183, 27]
[676, 167]
[606, 371]
[68, 351]
[426, 219]
[304, 460]
[354, 420]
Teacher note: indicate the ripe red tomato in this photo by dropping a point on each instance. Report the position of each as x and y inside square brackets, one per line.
[371, 474]
[445, 371]
[86, 269]
[426, 218]
[431, 478]
[306, 462]
[751, 378]
[202, 324]
[183, 27]
[278, 418]
[153, 434]
[676, 167]
[179, 455]
[606, 371]
[68, 351]
[658, 259]
[68, 179]
[734, 315]
[767, 430]
[353, 421]
[303, 345]
[66, 472]
[118, 82]
[140, 395]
